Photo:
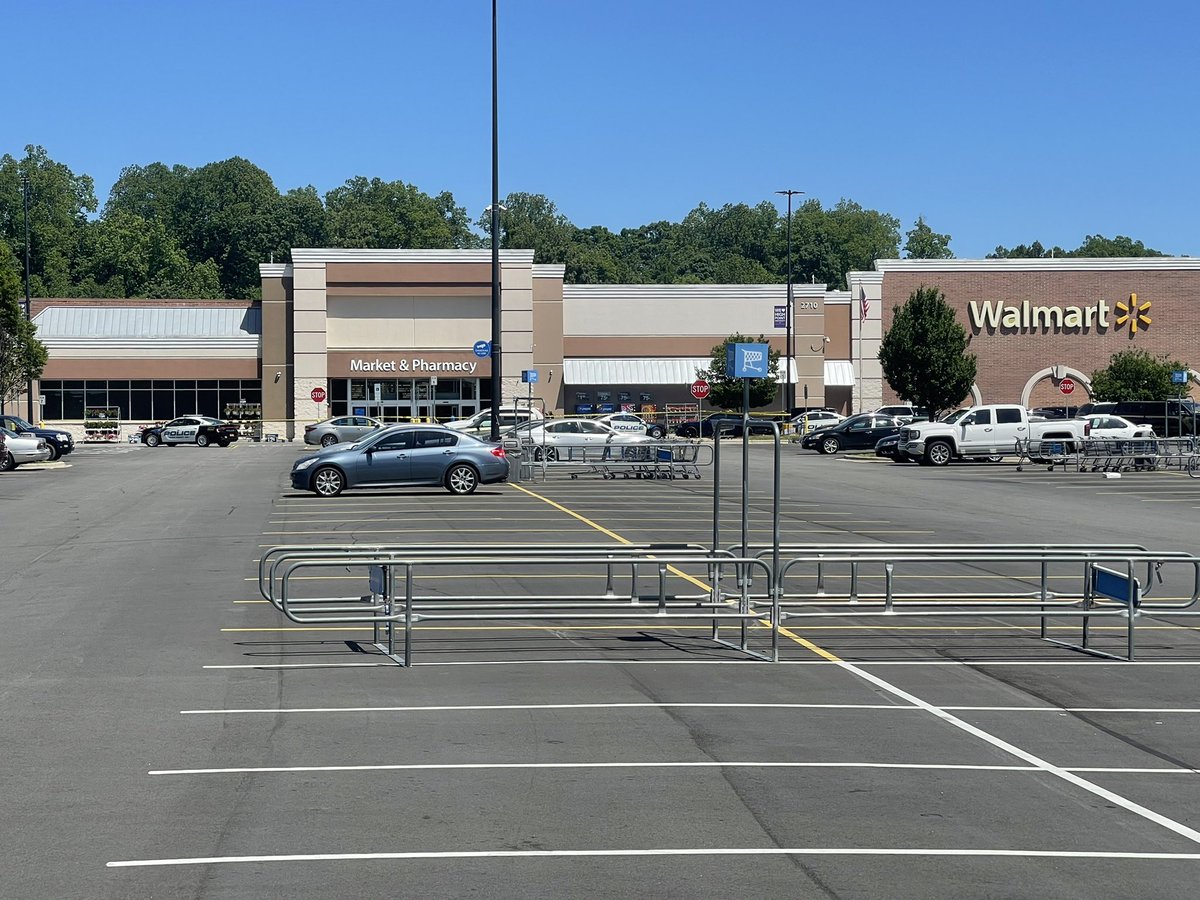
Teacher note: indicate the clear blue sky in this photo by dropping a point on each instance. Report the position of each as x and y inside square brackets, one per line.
[1000, 124]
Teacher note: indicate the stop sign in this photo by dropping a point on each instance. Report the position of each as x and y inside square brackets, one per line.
[1067, 386]
[317, 394]
[700, 389]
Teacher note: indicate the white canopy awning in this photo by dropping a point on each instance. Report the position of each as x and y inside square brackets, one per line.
[677, 370]
[839, 373]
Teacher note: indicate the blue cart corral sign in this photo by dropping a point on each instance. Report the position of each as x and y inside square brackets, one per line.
[483, 349]
[746, 361]
[529, 376]
[1116, 586]
[1179, 378]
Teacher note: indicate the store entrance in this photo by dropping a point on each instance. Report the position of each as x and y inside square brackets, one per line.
[409, 399]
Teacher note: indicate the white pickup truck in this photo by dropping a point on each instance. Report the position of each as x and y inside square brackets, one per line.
[982, 432]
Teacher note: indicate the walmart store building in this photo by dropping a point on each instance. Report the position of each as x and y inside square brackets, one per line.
[390, 333]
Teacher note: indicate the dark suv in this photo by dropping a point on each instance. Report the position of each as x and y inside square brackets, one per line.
[60, 442]
[1168, 418]
[728, 424]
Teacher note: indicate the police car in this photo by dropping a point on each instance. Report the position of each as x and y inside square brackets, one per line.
[628, 423]
[202, 431]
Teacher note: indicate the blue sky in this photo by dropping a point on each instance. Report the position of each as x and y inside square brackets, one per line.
[1000, 123]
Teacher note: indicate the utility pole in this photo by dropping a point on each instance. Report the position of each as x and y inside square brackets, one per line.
[496, 385]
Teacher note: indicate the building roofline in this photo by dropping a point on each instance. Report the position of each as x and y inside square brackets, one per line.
[683, 291]
[317, 255]
[1054, 264]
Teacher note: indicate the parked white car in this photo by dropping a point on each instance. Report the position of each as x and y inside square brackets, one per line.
[628, 423]
[481, 422]
[558, 439]
[20, 450]
[813, 419]
[1107, 427]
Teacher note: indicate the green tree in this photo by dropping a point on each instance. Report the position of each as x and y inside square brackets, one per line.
[829, 243]
[371, 213]
[924, 355]
[1094, 246]
[925, 243]
[300, 221]
[22, 355]
[124, 255]
[59, 201]
[227, 212]
[1137, 375]
[726, 392]
[151, 192]
[531, 222]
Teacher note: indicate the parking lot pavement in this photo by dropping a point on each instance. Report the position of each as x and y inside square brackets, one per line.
[170, 734]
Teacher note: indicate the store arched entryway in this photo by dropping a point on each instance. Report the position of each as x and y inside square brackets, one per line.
[1056, 374]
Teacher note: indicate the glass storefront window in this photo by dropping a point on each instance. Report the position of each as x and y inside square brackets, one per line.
[73, 402]
[358, 389]
[448, 389]
[405, 392]
[140, 405]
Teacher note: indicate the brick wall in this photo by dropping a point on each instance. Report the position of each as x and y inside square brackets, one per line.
[1008, 358]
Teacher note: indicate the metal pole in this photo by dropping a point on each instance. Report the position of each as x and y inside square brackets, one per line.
[496, 358]
[28, 307]
[789, 394]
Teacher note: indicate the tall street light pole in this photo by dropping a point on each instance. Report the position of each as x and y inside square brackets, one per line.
[789, 393]
[28, 307]
[495, 434]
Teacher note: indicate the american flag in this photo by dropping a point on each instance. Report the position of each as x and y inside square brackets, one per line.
[863, 306]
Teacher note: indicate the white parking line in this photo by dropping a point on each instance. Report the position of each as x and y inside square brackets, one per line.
[661, 852]
[1089, 663]
[698, 764]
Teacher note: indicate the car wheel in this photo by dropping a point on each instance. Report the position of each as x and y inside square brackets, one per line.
[830, 445]
[550, 454]
[55, 453]
[153, 440]
[462, 479]
[994, 458]
[329, 440]
[656, 432]
[7, 463]
[328, 481]
[202, 440]
[938, 454]
[221, 443]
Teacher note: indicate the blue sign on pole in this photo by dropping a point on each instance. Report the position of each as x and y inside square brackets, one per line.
[781, 317]
[1180, 377]
[746, 361]
[529, 376]
[483, 349]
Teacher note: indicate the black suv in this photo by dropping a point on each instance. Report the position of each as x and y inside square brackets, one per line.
[60, 442]
[1168, 418]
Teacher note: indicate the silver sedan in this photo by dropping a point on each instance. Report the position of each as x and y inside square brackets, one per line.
[19, 450]
[340, 430]
[559, 438]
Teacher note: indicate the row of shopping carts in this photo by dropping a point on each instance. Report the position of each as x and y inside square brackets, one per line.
[1113, 454]
[648, 460]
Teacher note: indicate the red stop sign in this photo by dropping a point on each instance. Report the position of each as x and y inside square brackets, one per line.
[700, 389]
[1067, 386]
[317, 394]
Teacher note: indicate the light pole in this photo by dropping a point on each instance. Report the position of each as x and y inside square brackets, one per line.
[495, 434]
[29, 384]
[789, 392]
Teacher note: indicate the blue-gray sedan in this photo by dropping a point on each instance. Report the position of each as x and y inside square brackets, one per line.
[403, 456]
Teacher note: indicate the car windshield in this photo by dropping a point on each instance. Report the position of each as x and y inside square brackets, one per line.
[8, 433]
[951, 418]
[21, 423]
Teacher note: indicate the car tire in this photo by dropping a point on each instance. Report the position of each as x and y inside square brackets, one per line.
[7, 463]
[328, 440]
[328, 481]
[55, 453]
[462, 479]
[656, 432]
[153, 440]
[938, 453]
[202, 440]
[830, 445]
[221, 443]
[550, 454]
[994, 458]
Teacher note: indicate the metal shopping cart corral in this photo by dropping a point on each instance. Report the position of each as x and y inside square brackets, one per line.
[646, 460]
[1050, 452]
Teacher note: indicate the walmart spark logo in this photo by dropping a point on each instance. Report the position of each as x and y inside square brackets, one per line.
[1133, 312]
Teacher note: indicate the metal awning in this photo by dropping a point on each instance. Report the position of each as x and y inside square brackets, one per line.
[839, 373]
[677, 370]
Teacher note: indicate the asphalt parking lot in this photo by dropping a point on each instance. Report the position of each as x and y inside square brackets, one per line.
[170, 734]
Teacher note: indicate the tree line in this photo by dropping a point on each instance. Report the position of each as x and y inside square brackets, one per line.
[174, 231]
